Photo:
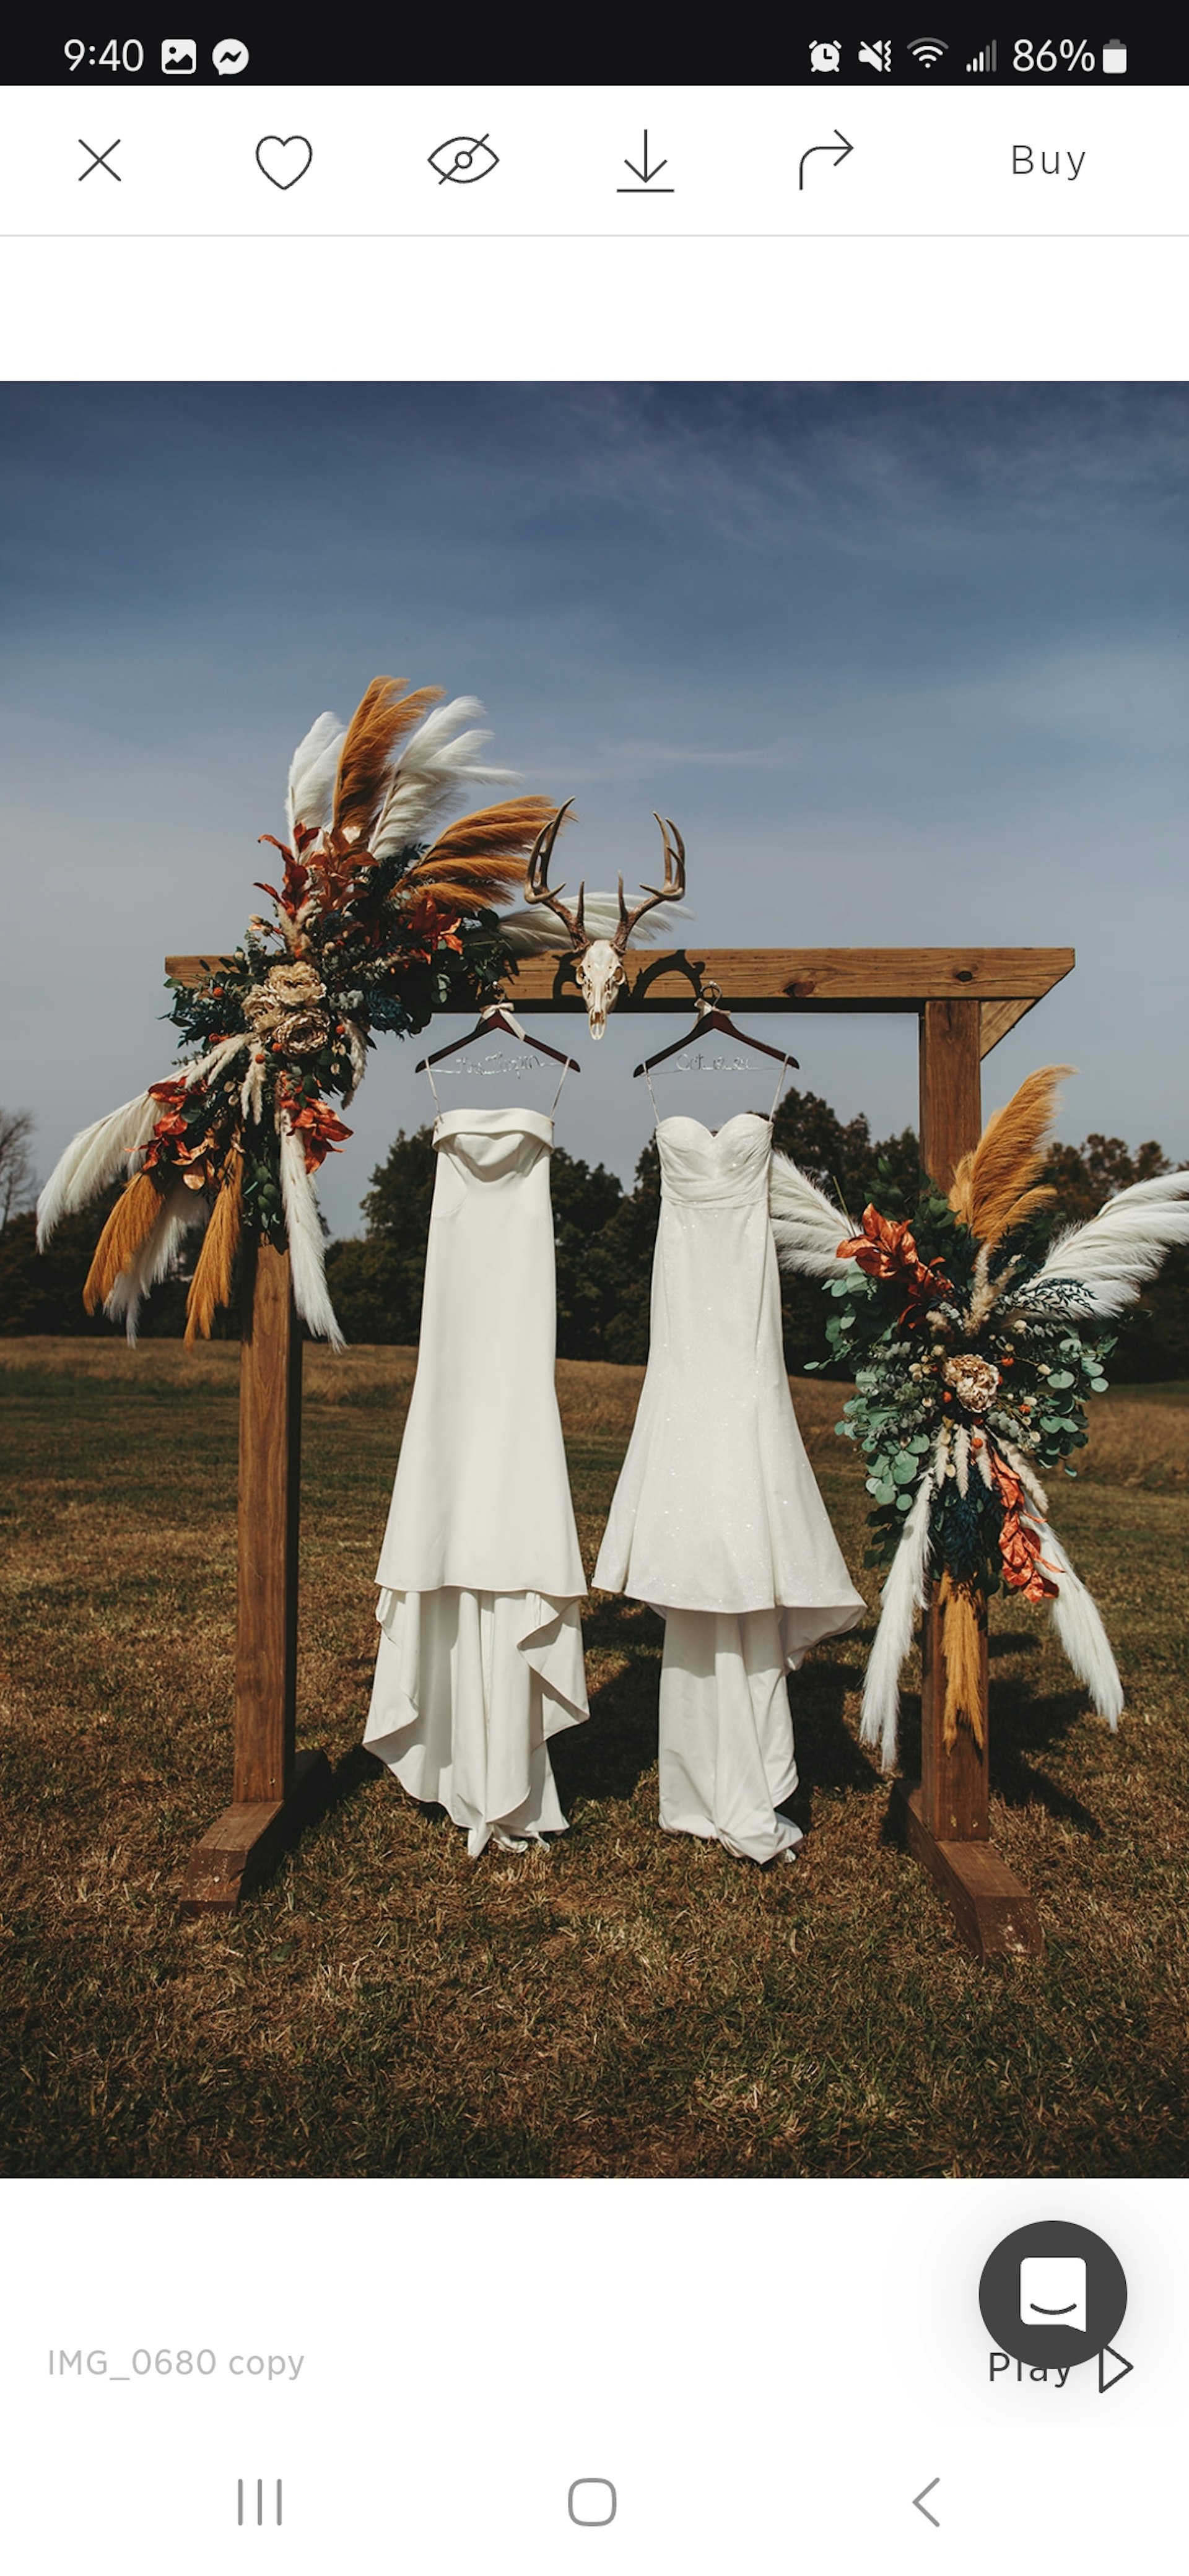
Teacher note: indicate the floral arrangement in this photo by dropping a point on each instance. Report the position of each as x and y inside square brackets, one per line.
[383, 915]
[975, 1337]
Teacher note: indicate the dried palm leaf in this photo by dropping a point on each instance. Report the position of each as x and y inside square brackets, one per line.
[380, 721]
[992, 1187]
[1079, 1626]
[807, 1228]
[505, 831]
[904, 1592]
[131, 1222]
[312, 773]
[1097, 1268]
[210, 1286]
[181, 1211]
[436, 764]
[93, 1159]
[303, 1228]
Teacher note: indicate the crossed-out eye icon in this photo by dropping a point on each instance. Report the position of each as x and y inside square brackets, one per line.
[465, 158]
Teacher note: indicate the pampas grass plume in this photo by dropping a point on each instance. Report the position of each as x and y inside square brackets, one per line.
[992, 1186]
[211, 1284]
[131, 1222]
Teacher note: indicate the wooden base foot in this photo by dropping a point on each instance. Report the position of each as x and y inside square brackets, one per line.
[244, 1844]
[993, 1911]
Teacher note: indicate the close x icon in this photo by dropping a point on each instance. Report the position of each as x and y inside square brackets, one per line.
[100, 160]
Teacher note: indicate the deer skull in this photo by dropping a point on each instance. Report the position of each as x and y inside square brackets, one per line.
[599, 968]
[601, 978]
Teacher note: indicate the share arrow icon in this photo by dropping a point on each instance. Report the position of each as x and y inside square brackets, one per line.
[645, 176]
[825, 147]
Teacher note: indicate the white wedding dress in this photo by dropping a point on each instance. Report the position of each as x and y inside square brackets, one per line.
[717, 1521]
[480, 1654]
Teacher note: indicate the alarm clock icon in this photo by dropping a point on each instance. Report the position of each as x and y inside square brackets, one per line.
[824, 57]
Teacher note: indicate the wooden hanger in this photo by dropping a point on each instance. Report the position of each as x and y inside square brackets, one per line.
[714, 1016]
[498, 1017]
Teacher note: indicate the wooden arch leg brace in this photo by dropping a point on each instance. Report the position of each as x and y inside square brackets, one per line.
[275, 1790]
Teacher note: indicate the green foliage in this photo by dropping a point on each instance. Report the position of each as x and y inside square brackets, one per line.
[945, 1367]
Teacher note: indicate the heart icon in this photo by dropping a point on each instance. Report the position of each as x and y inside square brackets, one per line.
[284, 160]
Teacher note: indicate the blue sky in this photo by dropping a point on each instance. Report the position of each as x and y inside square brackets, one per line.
[908, 664]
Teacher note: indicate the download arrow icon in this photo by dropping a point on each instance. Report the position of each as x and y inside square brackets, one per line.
[645, 176]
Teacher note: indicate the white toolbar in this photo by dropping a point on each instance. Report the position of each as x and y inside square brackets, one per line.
[591, 163]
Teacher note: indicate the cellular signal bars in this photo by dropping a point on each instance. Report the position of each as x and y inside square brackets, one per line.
[984, 61]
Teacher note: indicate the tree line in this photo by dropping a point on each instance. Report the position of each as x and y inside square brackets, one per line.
[604, 1235]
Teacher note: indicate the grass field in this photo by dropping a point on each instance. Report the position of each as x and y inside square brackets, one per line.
[627, 2002]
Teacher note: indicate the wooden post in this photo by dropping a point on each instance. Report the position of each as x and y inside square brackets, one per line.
[275, 1789]
[947, 1819]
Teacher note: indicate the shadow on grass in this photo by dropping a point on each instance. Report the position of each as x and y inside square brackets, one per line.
[608, 1757]
[829, 1761]
[1022, 1725]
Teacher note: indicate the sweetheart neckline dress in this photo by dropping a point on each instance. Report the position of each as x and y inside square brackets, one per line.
[717, 1521]
[480, 1652]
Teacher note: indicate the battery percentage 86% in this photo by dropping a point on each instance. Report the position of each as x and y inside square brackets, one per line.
[1067, 53]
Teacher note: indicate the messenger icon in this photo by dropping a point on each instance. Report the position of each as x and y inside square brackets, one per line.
[1053, 2291]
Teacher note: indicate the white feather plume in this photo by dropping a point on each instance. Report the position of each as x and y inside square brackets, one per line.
[251, 1096]
[96, 1156]
[312, 773]
[533, 931]
[903, 1595]
[1080, 1629]
[807, 1228]
[429, 773]
[1099, 1267]
[213, 1063]
[307, 1267]
[180, 1213]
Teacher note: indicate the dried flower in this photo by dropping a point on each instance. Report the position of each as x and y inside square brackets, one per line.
[296, 986]
[973, 1380]
[303, 1032]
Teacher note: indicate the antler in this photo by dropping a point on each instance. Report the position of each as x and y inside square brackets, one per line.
[671, 891]
[536, 881]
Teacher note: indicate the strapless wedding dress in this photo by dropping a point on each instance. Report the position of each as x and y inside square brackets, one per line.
[480, 1654]
[717, 1520]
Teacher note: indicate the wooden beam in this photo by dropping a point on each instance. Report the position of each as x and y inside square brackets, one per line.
[951, 1112]
[997, 1018]
[993, 1911]
[780, 979]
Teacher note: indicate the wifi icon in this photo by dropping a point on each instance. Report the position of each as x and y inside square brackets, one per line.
[927, 50]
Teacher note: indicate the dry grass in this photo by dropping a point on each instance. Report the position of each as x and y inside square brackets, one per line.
[627, 2003]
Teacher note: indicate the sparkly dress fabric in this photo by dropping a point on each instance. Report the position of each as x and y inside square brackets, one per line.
[480, 1653]
[717, 1520]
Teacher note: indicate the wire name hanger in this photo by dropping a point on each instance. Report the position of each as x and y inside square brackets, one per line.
[498, 1016]
[710, 1013]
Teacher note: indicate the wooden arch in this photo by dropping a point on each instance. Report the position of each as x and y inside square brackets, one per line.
[966, 1000]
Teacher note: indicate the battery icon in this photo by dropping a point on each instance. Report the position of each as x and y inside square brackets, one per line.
[1114, 55]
